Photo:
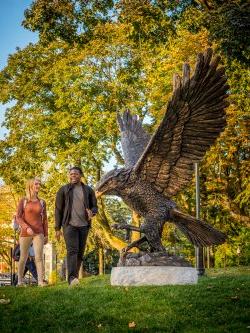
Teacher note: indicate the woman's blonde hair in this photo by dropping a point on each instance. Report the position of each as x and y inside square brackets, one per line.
[29, 190]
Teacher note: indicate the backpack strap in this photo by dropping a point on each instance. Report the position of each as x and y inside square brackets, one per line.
[42, 205]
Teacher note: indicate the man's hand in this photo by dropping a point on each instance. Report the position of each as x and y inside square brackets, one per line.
[90, 214]
[58, 235]
[45, 240]
[30, 232]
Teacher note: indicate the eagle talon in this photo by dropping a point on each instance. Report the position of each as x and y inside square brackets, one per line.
[118, 226]
[123, 254]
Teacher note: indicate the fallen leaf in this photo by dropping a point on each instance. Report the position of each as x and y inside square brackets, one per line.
[132, 324]
[235, 297]
[4, 301]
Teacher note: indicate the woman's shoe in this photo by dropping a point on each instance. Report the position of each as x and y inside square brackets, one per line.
[43, 284]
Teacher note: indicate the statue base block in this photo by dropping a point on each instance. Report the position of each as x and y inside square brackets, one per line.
[153, 276]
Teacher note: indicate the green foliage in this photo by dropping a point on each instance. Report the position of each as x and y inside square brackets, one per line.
[71, 21]
[91, 261]
[75, 21]
[235, 252]
[119, 212]
[228, 26]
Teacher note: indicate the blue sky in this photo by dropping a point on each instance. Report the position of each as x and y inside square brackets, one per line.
[12, 34]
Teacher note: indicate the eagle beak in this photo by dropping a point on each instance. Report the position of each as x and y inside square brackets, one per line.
[98, 194]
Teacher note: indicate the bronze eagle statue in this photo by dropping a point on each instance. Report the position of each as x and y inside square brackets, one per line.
[158, 167]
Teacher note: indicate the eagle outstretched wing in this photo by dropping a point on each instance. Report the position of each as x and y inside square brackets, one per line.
[134, 138]
[193, 120]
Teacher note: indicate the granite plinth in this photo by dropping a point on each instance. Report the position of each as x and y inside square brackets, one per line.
[153, 275]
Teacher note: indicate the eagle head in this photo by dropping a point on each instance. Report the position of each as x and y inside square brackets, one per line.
[112, 182]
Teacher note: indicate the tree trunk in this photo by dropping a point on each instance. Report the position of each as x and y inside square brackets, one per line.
[101, 261]
[208, 257]
[80, 275]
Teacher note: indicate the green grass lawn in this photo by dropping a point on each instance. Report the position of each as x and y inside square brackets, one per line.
[218, 303]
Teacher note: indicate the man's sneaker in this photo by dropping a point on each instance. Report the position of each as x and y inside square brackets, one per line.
[74, 282]
[21, 285]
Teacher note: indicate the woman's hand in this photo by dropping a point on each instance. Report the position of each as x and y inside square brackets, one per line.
[30, 232]
[45, 240]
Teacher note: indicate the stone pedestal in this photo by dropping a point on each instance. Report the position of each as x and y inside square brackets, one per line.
[153, 275]
[49, 259]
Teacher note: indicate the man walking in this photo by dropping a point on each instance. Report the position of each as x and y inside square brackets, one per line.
[76, 204]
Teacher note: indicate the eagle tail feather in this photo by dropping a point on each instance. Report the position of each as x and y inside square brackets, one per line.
[200, 233]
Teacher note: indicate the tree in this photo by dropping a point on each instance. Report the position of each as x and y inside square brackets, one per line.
[68, 20]
[8, 206]
[228, 25]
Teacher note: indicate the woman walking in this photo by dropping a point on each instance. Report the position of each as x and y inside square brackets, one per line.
[32, 217]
